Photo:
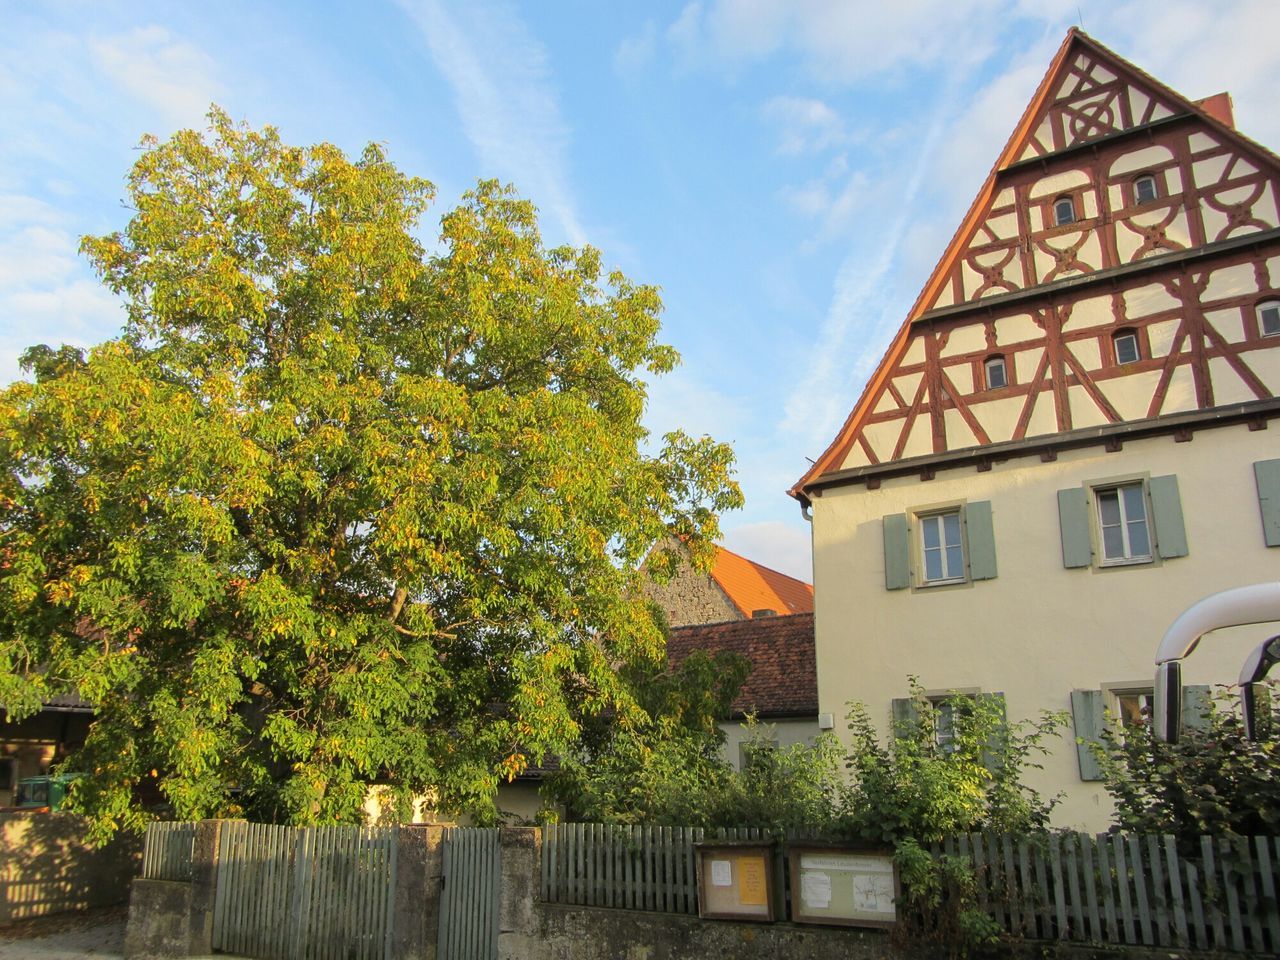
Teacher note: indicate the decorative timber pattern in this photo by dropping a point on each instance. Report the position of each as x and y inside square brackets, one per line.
[1164, 234]
[471, 894]
[305, 893]
[166, 854]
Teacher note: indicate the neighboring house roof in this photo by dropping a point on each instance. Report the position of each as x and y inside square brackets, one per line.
[67, 703]
[784, 675]
[1214, 111]
[751, 586]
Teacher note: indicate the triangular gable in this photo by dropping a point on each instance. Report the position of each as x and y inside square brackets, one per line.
[1088, 92]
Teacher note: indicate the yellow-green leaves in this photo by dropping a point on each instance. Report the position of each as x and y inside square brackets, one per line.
[333, 511]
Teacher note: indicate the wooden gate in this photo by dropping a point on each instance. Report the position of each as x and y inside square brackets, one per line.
[469, 900]
[305, 893]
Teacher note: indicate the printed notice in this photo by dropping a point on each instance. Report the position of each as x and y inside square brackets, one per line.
[721, 873]
[815, 889]
[873, 893]
[751, 882]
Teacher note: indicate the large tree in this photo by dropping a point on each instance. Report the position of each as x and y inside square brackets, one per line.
[338, 507]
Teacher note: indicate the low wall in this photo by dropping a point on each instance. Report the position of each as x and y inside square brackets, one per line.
[168, 919]
[47, 867]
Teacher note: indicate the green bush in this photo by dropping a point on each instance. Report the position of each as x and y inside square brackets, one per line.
[1212, 781]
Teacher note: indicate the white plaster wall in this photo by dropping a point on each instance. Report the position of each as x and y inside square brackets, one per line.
[1038, 630]
[787, 733]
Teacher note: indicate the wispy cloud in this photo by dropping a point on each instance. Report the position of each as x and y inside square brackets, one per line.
[805, 125]
[634, 53]
[861, 302]
[837, 41]
[504, 93]
[45, 290]
[173, 77]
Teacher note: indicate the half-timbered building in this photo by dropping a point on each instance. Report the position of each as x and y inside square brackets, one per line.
[1072, 436]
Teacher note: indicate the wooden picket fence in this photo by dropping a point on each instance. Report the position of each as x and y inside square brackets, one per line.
[305, 893]
[1109, 889]
[167, 851]
[630, 867]
[1125, 889]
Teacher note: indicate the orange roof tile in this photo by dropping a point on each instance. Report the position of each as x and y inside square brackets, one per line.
[752, 586]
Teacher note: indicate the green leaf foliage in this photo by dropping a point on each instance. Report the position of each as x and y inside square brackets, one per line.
[1213, 781]
[337, 507]
[926, 787]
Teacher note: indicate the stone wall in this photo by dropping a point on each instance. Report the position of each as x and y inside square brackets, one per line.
[46, 866]
[169, 919]
[692, 597]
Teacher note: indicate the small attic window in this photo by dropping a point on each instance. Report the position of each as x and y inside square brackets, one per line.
[1064, 211]
[1126, 347]
[995, 373]
[1269, 318]
[1145, 189]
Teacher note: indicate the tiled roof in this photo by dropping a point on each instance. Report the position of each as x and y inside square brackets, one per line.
[784, 676]
[67, 703]
[751, 586]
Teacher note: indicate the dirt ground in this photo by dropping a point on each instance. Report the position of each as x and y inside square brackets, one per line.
[91, 935]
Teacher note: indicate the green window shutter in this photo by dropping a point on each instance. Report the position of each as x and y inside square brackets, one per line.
[981, 540]
[995, 742]
[1195, 707]
[1267, 475]
[1086, 714]
[897, 552]
[1073, 524]
[1166, 510]
[904, 713]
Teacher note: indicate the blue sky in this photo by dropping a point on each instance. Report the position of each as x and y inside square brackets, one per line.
[787, 171]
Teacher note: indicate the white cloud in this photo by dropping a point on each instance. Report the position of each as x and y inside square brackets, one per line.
[634, 53]
[785, 547]
[47, 293]
[171, 76]
[680, 401]
[838, 41]
[805, 125]
[504, 94]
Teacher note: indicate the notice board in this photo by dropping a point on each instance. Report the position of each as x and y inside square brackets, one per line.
[735, 880]
[839, 885]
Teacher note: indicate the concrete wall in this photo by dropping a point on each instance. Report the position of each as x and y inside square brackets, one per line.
[47, 867]
[1038, 630]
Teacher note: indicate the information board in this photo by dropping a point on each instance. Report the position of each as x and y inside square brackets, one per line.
[839, 885]
[735, 880]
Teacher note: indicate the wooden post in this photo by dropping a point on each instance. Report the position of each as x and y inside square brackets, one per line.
[204, 887]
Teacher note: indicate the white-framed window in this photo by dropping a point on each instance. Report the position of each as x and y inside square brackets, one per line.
[1124, 533]
[941, 547]
[1118, 521]
[1064, 211]
[941, 543]
[1127, 348]
[995, 373]
[1145, 189]
[1269, 318]
[1132, 707]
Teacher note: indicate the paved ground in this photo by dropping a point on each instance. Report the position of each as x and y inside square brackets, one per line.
[92, 935]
